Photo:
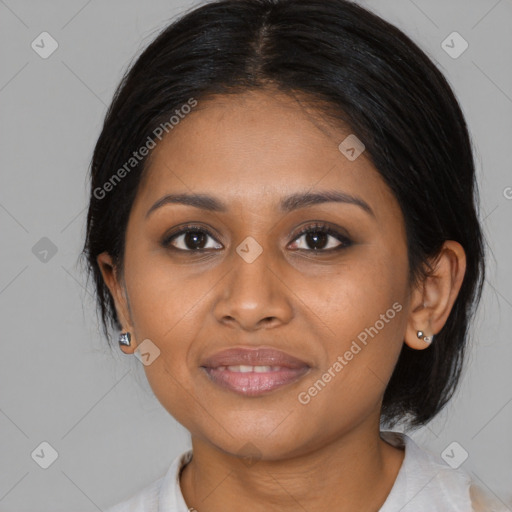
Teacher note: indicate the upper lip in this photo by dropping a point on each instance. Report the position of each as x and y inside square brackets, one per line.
[253, 357]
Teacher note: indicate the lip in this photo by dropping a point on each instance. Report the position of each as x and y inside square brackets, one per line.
[230, 369]
[261, 356]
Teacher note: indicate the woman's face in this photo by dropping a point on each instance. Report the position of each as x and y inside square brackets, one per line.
[340, 310]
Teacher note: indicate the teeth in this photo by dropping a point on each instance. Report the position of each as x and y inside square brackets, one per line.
[246, 369]
[241, 368]
[262, 369]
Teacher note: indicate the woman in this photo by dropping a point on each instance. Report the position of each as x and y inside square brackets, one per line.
[283, 227]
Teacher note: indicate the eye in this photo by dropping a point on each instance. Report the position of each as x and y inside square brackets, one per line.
[191, 238]
[317, 238]
[320, 238]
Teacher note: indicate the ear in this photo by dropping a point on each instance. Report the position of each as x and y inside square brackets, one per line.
[117, 288]
[433, 298]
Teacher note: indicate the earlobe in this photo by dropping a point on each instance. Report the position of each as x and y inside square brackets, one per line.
[125, 342]
[434, 297]
[424, 340]
[420, 334]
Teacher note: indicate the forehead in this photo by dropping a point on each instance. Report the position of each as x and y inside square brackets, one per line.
[254, 146]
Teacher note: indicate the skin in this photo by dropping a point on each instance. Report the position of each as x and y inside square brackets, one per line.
[250, 151]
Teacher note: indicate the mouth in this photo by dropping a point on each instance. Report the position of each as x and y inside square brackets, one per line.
[253, 372]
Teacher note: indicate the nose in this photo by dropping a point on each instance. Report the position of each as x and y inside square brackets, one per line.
[254, 296]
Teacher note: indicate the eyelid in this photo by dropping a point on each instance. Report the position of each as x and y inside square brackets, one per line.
[181, 230]
[337, 233]
[322, 226]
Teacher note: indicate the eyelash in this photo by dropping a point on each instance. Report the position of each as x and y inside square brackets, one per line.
[317, 227]
[320, 227]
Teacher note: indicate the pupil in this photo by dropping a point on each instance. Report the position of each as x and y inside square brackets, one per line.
[195, 237]
[315, 238]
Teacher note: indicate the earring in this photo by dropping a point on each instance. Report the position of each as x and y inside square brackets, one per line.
[125, 339]
[426, 339]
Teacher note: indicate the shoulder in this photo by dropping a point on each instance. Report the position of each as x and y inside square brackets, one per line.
[145, 500]
[162, 494]
[483, 501]
[426, 482]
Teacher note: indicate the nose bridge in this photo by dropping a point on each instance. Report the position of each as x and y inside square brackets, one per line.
[253, 295]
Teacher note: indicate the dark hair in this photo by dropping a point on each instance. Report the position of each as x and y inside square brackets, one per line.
[354, 68]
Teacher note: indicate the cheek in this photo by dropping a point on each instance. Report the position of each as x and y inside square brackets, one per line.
[164, 297]
[367, 286]
[167, 305]
[364, 307]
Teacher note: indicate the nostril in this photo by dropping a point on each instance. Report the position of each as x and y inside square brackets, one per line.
[268, 320]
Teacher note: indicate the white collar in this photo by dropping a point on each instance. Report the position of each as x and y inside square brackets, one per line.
[423, 478]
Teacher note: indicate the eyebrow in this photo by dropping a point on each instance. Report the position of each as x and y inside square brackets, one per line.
[287, 204]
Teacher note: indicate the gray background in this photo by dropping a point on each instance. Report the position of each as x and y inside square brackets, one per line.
[59, 382]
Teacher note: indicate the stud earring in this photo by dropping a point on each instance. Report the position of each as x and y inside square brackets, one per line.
[125, 339]
[426, 339]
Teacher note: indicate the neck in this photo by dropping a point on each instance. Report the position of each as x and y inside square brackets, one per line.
[336, 476]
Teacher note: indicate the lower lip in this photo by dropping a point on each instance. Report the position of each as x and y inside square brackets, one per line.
[254, 383]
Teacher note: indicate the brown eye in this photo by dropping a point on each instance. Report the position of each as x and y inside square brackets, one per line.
[320, 238]
[191, 239]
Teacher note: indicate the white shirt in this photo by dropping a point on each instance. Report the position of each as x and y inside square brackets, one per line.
[425, 483]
